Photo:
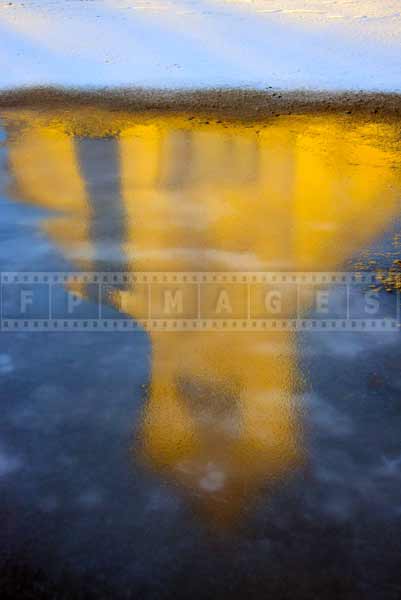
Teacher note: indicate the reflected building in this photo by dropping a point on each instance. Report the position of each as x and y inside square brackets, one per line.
[162, 193]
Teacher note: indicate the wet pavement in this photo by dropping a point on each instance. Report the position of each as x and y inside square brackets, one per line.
[198, 463]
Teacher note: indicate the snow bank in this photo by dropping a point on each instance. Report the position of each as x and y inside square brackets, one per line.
[290, 44]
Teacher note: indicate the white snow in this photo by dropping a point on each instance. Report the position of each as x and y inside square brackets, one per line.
[291, 44]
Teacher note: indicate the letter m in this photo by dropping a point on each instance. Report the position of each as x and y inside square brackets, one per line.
[173, 302]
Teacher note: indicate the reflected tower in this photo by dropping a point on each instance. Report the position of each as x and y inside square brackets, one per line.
[168, 193]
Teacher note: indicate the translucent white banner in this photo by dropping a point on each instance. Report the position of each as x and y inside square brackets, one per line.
[196, 301]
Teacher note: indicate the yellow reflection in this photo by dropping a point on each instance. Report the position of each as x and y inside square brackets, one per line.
[297, 193]
[43, 158]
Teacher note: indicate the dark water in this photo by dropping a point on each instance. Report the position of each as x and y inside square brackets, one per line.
[135, 464]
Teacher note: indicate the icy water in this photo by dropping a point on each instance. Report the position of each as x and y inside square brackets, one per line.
[163, 462]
